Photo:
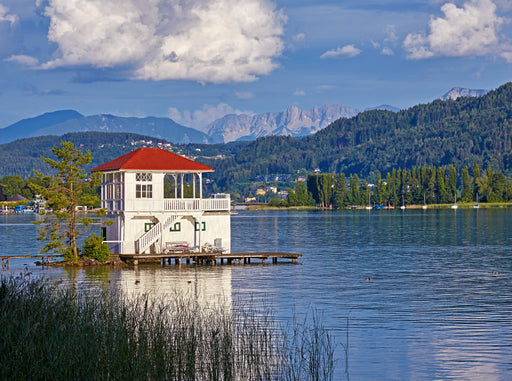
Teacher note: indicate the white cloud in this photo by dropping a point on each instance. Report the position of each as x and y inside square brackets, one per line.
[199, 119]
[387, 52]
[468, 31]
[5, 16]
[299, 37]
[346, 51]
[201, 40]
[299, 93]
[22, 59]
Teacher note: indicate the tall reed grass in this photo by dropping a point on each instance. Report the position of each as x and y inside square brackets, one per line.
[50, 332]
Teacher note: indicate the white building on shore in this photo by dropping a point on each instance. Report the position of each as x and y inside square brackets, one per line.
[154, 200]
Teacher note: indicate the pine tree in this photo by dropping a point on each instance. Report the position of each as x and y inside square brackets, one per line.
[64, 193]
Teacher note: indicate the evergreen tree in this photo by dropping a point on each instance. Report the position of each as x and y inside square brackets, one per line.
[340, 192]
[64, 193]
[467, 194]
[442, 194]
[381, 195]
[355, 195]
[476, 181]
[452, 181]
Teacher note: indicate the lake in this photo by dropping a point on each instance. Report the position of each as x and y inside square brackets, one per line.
[418, 294]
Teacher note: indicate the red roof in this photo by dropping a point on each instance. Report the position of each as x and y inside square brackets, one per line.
[153, 159]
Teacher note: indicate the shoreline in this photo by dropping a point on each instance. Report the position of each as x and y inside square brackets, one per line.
[464, 205]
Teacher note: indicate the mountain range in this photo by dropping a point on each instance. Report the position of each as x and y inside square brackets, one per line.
[66, 121]
[458, 132]
[292, 122]
[234, 127]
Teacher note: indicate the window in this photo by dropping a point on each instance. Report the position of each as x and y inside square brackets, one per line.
[143, 177]
[109, 189]
[144, 191]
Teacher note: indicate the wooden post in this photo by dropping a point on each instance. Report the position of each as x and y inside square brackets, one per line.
[263, 261]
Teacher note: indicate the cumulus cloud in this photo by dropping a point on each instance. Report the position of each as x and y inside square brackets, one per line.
[206, 41]
[299, 93]
[468, 31]
[200, 119]
[23, 59]
[5, 16]
[346, 51]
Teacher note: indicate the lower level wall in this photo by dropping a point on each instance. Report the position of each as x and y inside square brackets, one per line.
[194, 230]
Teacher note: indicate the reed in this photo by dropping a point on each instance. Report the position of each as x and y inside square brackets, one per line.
[61, 333]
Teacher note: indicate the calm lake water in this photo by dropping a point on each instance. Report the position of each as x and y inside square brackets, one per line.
[437, 305]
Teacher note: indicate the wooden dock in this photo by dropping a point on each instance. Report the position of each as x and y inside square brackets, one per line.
[207, 258]
[45, 259]
[177, 258]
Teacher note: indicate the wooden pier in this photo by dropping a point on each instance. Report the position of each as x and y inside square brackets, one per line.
[207, 258]
[45, 259]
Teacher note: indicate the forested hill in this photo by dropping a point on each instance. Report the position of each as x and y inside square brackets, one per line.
[22, 156]
[460, 132]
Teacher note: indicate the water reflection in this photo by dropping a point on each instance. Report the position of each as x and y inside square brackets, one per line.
[206, 285]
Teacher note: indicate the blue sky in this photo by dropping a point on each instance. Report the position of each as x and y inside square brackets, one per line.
[196, 60]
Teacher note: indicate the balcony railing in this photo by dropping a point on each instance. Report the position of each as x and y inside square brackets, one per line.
[207, 204]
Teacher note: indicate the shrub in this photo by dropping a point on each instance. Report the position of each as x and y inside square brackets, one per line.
[68, 254]
[278, 203]
[95, 248]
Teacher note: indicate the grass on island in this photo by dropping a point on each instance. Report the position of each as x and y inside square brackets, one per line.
[52, 332]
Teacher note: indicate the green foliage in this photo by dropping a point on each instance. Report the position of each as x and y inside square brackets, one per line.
[64, 193]
[301, 196]
[419, 185]
[95, 248]
[69, 254]
[278, 203]
[12, 185]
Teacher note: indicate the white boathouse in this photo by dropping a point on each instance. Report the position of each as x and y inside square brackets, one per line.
[154, 200]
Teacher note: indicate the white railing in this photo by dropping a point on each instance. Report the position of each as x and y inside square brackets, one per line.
[148, 238]
[207, 204]
[168, 222]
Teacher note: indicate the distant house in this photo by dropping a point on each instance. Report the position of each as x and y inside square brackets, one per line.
[155, 200]
[260, 192]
